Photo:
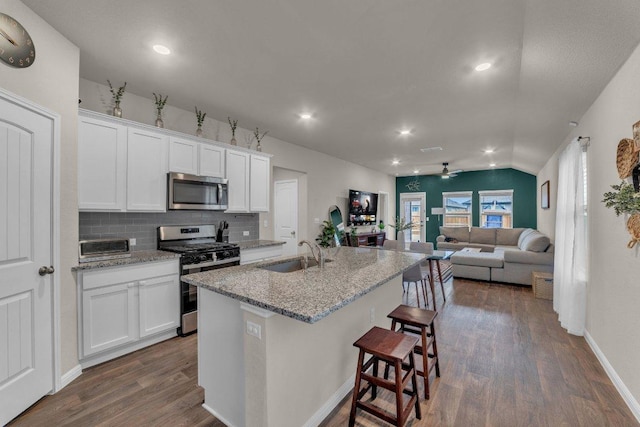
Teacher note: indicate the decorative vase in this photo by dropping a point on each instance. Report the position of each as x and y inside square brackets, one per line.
[259, 147]
[159, 122]
[233, 141]
[199, 130]
[401, 240]
[117, 111]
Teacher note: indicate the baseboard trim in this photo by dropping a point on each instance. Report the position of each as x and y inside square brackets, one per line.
[628, 398]
[69, 376]
[330, 404]
[218, 416]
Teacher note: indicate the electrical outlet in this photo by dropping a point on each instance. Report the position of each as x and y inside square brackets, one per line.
[245, 233]
[132, 242]
[372, 314]
[254, 329]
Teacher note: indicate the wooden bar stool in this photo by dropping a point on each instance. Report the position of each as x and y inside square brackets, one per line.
[393, 348]
[418, 321]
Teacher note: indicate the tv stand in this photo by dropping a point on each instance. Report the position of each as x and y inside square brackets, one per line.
[366, 239]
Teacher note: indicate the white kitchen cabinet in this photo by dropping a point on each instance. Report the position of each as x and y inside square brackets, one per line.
[211, 161]
[183, 156]
[238, 176]
[146, 171]
[123, 309]
[248, 256]
[196, 158]
[102, 165]
[260, 182]
[108, 317]
[159, 304]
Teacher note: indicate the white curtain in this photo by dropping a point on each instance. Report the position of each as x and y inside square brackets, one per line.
[570, 261]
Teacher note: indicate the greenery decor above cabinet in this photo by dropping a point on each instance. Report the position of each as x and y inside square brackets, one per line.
[123, 165]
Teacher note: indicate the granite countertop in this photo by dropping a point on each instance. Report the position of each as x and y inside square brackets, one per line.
[312, 294]
[253, 244]
[136, 258]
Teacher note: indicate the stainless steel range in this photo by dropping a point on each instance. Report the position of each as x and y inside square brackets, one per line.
[200, 252]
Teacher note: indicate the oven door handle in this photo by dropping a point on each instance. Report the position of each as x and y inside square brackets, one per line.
[211, 263]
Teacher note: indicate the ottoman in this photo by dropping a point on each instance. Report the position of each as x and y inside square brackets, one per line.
[476, 265]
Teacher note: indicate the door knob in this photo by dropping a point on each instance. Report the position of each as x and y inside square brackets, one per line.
[44, 270]
[293, 233]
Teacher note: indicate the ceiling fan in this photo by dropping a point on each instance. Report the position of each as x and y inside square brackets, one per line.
[446, 173]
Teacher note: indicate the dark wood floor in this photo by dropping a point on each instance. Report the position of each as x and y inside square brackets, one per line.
[505, 361]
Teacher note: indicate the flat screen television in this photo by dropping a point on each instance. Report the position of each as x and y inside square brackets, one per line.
[363, 207]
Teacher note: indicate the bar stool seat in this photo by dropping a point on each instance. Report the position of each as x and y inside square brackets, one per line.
[392, 348]
[418, 321]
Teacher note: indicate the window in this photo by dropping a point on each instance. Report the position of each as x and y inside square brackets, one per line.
[496, 209]
[457, 209]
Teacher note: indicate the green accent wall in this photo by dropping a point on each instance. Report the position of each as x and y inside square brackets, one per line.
[524, 188]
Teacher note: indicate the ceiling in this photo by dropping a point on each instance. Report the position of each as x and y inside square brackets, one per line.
[367, 69]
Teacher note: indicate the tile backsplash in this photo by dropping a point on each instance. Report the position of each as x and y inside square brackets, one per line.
[142, 226]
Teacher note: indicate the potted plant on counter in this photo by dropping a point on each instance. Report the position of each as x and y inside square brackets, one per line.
[401, 225]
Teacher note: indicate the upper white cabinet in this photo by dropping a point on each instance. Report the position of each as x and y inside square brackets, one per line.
[102, 165]
[211, 161]
[146, 171]
[196, 158]
[238, 176]
[183, 156]
[259, 183]
[123, 165]
[249, 181]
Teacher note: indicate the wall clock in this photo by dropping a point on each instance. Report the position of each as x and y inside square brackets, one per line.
[16, 47]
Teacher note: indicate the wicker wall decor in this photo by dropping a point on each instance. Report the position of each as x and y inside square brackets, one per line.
[633, 226]
[626, 157]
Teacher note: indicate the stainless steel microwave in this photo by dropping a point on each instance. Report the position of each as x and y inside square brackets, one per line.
[194, 192]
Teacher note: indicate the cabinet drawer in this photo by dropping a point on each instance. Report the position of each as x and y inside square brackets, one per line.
[114, 275]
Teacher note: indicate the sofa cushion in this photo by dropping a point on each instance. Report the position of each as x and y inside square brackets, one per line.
[523, 235]
[461, 234]
[486, 236]
[508, 236]
[535, 242]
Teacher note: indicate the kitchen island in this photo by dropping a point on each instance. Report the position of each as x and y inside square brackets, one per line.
[276, 349]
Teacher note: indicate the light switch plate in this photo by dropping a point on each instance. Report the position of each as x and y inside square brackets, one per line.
[245, 233]
[254, 329]
[132, 242]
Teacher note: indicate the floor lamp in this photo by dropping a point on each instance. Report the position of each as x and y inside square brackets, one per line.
[437, 211]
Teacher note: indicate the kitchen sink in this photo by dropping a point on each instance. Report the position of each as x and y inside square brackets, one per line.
[292, 265]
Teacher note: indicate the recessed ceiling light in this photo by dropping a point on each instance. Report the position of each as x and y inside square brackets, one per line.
[162, 50]
[395, 162]
[416, 171]
[305, 116]
[488, 151]
[492, 165]
[484, 66]
[405, 132]
[572, 123]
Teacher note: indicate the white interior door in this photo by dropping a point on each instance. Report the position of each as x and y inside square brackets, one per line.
[413, 209]
[26, 356]
[285, 215]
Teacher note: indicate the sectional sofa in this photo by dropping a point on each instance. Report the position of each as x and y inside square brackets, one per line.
[507, 255]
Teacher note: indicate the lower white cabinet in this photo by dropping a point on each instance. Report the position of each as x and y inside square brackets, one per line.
[247, 256]
[123, 309]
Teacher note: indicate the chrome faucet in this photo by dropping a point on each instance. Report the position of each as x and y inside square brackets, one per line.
[319, 257]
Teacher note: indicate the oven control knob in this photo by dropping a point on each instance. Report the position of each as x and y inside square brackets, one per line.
[202, 257]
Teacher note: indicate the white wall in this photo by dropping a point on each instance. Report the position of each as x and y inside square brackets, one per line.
[328, 178]
[613, 291]
[52, 82]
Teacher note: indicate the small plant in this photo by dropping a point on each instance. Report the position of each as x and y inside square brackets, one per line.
[327, 235]
[623, 200]
[160, 102]
[234, 125]
[256, 134]
[381, 226]
[117, 95]
[401, 225]
[200, 116]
